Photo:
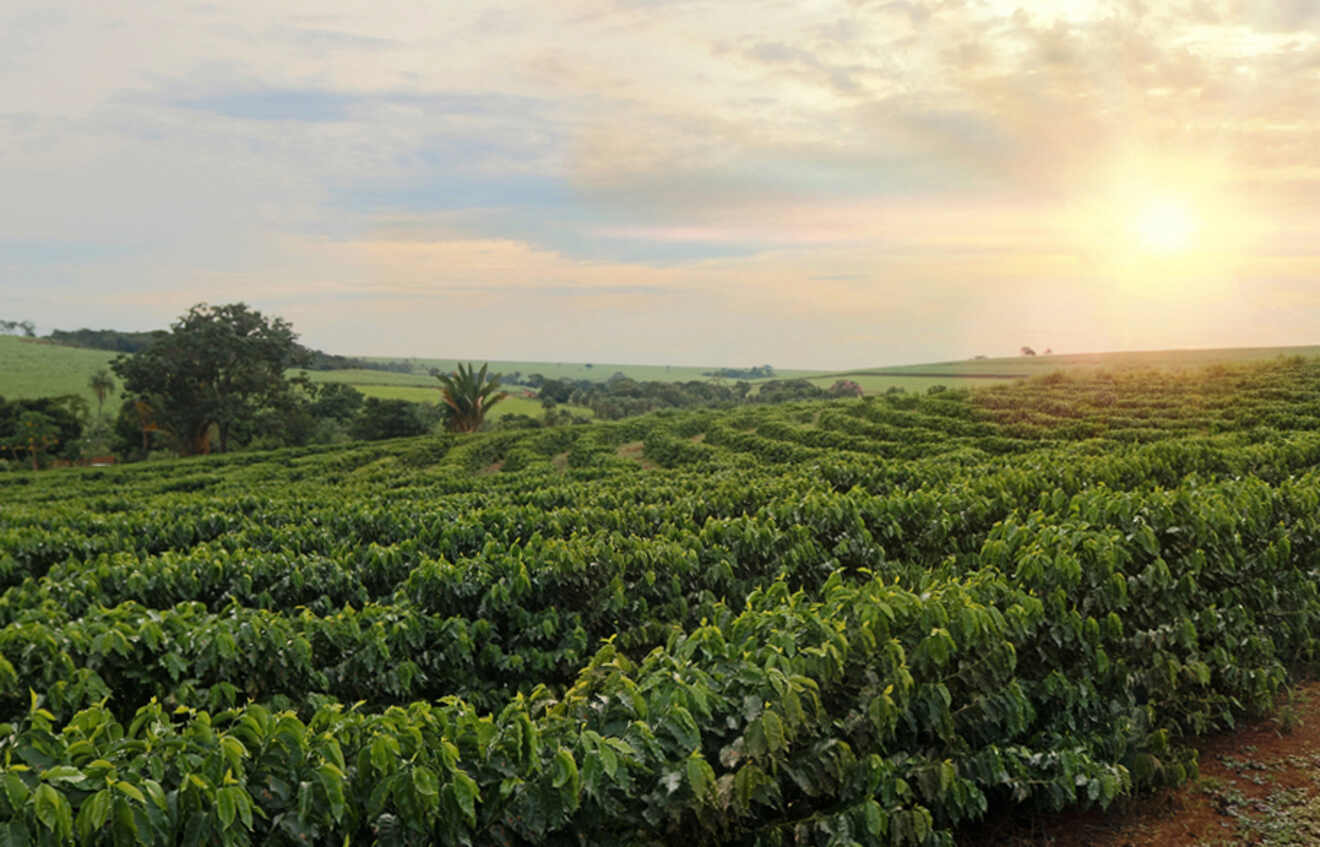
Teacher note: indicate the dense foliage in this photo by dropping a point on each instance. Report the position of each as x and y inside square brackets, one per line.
[62, 422]
[114, 340]
[621, 397]
[859, 621]
[216, 368]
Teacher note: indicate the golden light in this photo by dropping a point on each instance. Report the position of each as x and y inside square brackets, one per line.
[1164, 225]
[1159, 230]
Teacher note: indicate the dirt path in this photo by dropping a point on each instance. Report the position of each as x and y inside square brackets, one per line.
[1258, 786]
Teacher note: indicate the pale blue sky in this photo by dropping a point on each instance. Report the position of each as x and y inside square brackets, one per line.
[820, 184]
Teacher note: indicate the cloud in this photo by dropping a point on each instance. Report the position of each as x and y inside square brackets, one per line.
[276, 105]
[834, 170]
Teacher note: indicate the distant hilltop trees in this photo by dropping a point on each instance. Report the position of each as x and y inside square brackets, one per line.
[105, 339]
[117, 341]
[758, 372]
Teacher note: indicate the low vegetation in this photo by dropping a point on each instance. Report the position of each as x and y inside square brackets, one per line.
[864, 620]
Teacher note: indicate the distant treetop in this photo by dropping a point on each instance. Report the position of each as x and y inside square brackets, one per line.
[755, 372]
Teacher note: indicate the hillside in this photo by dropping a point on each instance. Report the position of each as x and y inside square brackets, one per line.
[35, 368]
[973, 373]
[870, 619]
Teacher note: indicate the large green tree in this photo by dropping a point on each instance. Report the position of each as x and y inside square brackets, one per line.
[468, 394]
[216, 367]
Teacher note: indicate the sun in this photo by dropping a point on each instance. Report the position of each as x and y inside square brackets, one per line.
[1164, 225]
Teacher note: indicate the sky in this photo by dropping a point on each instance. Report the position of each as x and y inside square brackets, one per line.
[809, 184]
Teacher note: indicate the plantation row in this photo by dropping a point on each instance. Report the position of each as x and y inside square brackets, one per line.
[825, 623]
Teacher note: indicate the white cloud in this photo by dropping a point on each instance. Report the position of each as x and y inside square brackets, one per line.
[849, 170]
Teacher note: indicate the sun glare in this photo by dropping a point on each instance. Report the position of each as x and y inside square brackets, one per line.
[1164, 226]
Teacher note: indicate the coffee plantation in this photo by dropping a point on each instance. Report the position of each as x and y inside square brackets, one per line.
[861, 621]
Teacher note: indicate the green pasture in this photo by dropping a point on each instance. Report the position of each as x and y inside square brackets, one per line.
[511, 405]
[33, 368]
[360, 377]
[1021, 367]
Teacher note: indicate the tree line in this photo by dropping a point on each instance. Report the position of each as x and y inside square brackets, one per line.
[219, 379]
[621, 397]
[118, 341]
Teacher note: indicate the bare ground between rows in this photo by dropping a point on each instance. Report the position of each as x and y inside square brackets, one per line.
[1259, 785]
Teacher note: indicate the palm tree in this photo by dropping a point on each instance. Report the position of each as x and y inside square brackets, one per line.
[102, 383]
[468, 395]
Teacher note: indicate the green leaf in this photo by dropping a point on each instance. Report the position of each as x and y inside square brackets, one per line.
[774, 731]
[608, 760]
[94, 813]
[566, 778]
[876, 821]
[466, 793]
[157, 793]
[16, 790]
[425, 781]
[53, 810]
[130, 790]
[700, 775]
[126, 822]
[224, 806]
[565, 768]
[332, 781]
[62, 773]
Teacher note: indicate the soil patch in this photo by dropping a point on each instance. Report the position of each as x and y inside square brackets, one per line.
[1260, 786]
[633, 451]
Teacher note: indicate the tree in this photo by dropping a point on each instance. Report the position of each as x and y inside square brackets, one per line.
[468, 395]
[136, 432]
[337, 401]
[33, 433]
[557, 390]
[381, 419]
[28, 328]
[65, 413]
[1027, 351]
[216, 367]
[102, 384]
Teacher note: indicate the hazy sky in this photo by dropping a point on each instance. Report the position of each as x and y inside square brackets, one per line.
[803, 183]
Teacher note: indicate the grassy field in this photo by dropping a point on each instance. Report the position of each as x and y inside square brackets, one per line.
[30, 368]
[975, 373]
[511, 405]
[1017, 367]
[361, 377]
